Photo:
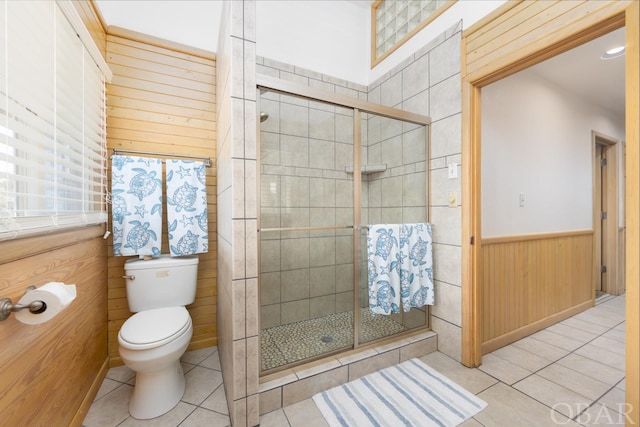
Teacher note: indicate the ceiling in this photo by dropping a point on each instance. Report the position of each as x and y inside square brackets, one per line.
[579, 70]
[582, 72]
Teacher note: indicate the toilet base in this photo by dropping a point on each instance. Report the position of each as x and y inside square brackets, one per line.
[157, 392]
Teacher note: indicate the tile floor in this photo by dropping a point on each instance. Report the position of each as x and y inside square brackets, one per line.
[571, 373]
[203, 404]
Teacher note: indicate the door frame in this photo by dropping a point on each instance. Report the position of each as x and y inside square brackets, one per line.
[503, 58]
[606, 236]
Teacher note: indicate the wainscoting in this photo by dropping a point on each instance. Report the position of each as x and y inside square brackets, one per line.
[530, 282]
[51, 372]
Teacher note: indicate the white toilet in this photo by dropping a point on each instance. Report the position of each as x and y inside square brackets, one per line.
[153, 340]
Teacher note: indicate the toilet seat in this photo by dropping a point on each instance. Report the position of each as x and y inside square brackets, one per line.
[154, 328]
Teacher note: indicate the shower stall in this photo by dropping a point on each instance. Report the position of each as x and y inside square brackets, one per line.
[329, 165]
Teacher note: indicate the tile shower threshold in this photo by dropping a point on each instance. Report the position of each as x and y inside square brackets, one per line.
[325, 364]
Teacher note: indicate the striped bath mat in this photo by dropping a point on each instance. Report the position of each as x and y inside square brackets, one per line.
[409, 394]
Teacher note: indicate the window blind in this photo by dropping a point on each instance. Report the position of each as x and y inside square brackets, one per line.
[52, 123]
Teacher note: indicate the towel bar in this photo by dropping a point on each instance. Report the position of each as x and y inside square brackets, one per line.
[328, 227]
[206, 160]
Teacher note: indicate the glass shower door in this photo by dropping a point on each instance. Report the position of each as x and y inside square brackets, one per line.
[394, 191]
[306, 225]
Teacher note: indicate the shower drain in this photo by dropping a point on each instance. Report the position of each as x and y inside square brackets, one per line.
[326, 339]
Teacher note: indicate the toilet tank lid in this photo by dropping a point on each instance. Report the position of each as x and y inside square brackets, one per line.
[162, 261]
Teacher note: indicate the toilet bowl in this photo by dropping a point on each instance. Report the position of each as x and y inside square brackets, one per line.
[151, 343]
[157, 335]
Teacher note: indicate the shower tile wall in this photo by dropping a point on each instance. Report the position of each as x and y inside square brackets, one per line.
[428, 83]
[305, 147]
[238, 334]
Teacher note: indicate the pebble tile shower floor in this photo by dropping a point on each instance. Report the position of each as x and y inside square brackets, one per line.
[281, 345]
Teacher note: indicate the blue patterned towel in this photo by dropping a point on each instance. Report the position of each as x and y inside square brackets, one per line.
[416, 269]
[383, 257]
[136, 197]
[400, 267]
[187, 207]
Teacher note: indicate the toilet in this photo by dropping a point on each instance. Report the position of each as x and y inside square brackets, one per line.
[152, 341]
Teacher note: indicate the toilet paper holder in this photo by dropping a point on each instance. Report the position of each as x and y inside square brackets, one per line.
[7, 307]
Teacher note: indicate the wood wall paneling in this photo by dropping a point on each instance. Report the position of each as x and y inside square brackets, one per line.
[518, 35]
[49, 372]
[528, 280]
[162, 99]
[632, 210]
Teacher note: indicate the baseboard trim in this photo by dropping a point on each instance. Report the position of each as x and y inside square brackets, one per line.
[509, 337]
[83, 410]
[203, 343]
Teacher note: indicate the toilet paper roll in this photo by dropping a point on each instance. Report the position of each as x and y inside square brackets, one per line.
[56, 295]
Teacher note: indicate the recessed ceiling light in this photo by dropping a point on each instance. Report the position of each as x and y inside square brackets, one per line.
[613, 53]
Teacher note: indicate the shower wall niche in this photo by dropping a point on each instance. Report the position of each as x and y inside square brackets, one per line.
[310, 219]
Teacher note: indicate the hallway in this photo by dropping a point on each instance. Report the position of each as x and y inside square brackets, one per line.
[571, 373]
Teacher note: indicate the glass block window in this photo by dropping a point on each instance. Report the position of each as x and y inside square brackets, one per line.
[395, 21]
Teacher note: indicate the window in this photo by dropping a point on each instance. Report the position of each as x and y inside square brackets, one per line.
[52, 121]
[393, 22]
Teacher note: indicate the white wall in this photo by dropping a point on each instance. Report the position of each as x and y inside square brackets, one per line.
[329, 37]
[193, 23]
[536, 139]
[333, 37]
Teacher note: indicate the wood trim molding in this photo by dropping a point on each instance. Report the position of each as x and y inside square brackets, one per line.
[101, 20]
[21, 248]
[528, 237]
[471, 355]
[70, 12]
[608, 253]
[632, 207]
[158, 42]
[375, 60]
[540, 43]
[373, 44]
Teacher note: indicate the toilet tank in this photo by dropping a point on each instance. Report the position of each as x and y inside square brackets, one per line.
[161, 282]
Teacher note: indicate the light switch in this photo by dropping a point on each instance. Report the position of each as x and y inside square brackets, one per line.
[453, 200]
[521, 200]
[453, 170]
